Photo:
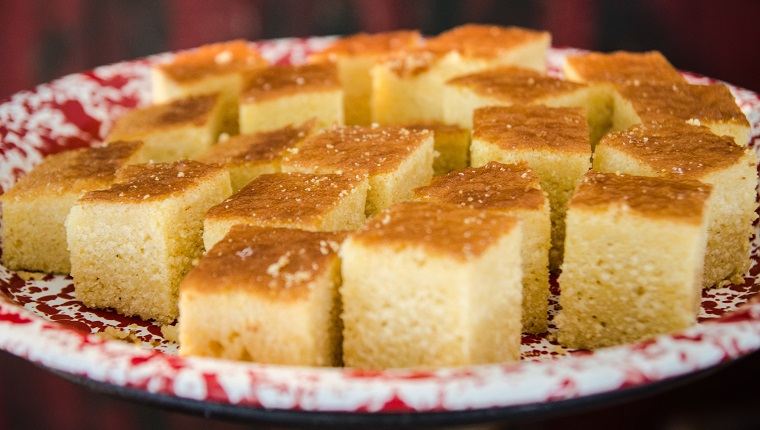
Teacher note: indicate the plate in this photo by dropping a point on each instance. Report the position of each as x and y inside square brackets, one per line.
[41, 321]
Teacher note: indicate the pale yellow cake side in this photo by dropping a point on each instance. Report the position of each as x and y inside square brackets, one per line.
[627, 276]
[731, 220]
[236, 325]
[132, 255]
[448, 319]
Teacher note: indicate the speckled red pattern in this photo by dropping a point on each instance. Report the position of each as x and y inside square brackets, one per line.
[41, 321]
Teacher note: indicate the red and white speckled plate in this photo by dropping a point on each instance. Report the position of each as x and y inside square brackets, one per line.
[42, 322]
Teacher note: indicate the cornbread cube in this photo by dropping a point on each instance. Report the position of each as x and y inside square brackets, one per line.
[35, 208]
[675, 148]
[552, 141]
[131, 244]
[396, 160]
[249, 155]
[710, 105]
[291, 200]
[267, 295]
[278, 96]
[208, 69]
[633, 259]
[355, 56]
[182, 128]
[407, 87]
[428, 284]
[622, 67]
[512, 189]
[506, 86]
[451, 144]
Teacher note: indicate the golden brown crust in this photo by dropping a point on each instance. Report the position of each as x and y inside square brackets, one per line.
[707, 103]
[279, 81]
[412, 62]
[213, 59]
[494, 186]
[287, 197]
[487, 41]
[533, 127]
[364, 44]
[76, 170]
[654, 197]
[514, 84]
[469, 41]
[193, 110]
[625, 67]
[275, 263]
[254, 148]
[364, 150]
[150, 182]
[462, 233]
[675, 148]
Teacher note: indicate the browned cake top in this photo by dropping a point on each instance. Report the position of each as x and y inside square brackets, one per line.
[445, 229]
[152, 182]
[707, 103]
[469, 41]
[365, 150]
[213, 59]
[533, 127]
[253, 148]
[413, 61]
[672, 147]
[287, 197]
[490, 41]
[493, 186]
[190, 111]
[76, 170]
[514, 84]
[624, 67]
[279, 81]
[370, 44]
[277, 263]
[671, 198]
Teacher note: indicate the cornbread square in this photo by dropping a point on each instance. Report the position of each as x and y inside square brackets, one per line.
[267, 295]
[451, 145]
[131, 244]
[396, 160]
[182, 128]
[407, 87]
[428, 284]
[633, 259]
[512, 189]
[675, 148]
[623, 67]
[35, 208]
[249, 155]
[713, 106]
[208, 69]
[355, 55]
[552, 141]
[278, 96]
[506, 86]
[305, 201]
